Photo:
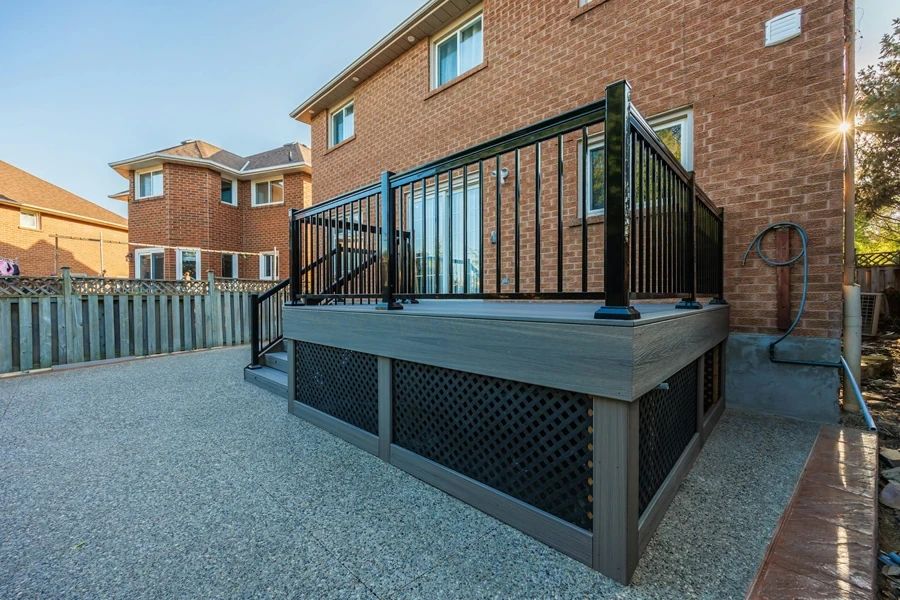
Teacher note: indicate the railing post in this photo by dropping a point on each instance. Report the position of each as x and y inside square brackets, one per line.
[254, 331]
[690, 251]
[617, 205]
[294, 255]
[720, 298]
[388, 246]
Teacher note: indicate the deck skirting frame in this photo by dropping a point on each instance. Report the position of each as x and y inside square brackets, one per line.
[356, 436]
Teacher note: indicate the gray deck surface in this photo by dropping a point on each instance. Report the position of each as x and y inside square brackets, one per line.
[173, 478]
[521, 310]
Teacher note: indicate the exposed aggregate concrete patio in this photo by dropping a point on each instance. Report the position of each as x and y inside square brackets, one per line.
[173, 478]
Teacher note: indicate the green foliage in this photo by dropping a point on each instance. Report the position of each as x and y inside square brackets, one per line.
[878, 148]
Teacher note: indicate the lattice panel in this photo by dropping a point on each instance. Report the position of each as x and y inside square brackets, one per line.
[254, 286]
[525, 440]
[712, 377]
[102, 285]
[31, 286]
[338, 382]
[877, 259]
[668, 421]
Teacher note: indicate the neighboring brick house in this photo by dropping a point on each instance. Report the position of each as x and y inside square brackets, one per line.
[745, 114]
[44, 228]
[195, 207]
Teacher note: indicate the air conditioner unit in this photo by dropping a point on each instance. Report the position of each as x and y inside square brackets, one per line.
[782, 28]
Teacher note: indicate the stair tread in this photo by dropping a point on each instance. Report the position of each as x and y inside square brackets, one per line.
[271, 374]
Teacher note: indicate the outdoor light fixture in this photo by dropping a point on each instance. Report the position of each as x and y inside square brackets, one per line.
[504, 173]
[411, 39]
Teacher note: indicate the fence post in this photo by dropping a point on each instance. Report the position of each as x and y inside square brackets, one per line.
[720, 298]
[69, 313]
[388, 246]
[254, 331]
[690, 253]
[294, 255]
[617, 205]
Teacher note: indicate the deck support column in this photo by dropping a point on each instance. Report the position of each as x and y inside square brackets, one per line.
[615, 487]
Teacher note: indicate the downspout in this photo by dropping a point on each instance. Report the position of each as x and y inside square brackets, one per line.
[852, 331]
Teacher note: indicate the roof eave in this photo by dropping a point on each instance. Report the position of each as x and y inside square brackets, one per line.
[68, 215]
[124, 166]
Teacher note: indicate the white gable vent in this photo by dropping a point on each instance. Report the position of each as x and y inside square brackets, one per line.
[783, 27]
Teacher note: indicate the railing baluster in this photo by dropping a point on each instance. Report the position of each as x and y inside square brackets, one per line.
[465, 229]
[690, 251]
[481, 226]
[451, 283]
[537, 217]
[436, 269]
[559, 213]
[640, 202]
[518, 161]
[586, 189]
[499, 237]
[388, 248]
[634, 199]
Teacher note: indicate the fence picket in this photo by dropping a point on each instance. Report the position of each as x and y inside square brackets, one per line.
[124, 327]
[26, 352]
[188, 325]
[94, 325]
[151, 325]
[138, 307]
[163, 324]
[245, 316]
[62, 331]
[227, 308]
[77, 335]
[176, 323]
[45, 330]
[198, 322]
[109, 325]
[5, 334]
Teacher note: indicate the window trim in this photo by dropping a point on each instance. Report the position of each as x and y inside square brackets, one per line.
[137, 261]
[137, 181]
[262, 257]
[37, 220]
[445, 34]
[234, 191]
[235, 261]
[684, 115]
[341, 107]
[254, 182]
[178, 255]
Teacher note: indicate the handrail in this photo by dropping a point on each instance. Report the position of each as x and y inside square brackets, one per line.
[870, 422]
[265, 321]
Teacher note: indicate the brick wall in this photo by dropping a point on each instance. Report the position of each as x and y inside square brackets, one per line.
[36, 250]
[758, 120]
[190, 214]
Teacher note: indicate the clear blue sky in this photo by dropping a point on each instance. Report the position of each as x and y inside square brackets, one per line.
[86, 83]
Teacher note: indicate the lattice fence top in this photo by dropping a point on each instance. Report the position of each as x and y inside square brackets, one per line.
[53, 286]
[31, 286]
[878, 259]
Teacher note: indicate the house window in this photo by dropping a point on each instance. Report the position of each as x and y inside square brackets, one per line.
[675, 129]
[149, 263]
[342, 123]
[268, 266]
[29, 220]
[187, 264]
[229, 191]
[230, 265]
[149, 183]
[267, 192]
[458, 51]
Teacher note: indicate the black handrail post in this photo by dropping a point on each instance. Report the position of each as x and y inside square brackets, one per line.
[617, 204]
[720, 298]
[388, 246]
[691, 249]
[294, 254]
[254, 331]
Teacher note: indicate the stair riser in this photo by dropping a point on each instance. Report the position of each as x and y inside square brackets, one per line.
[276, 362]
[259, 380]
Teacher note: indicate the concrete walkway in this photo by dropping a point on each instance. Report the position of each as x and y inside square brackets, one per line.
[172, 478]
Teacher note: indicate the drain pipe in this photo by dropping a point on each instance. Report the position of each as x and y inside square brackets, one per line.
[852, 334]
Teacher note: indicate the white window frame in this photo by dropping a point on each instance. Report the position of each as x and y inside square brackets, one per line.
[31, 213]
[262, 258]
[683, 116]
[235, 260]
[341, 109]
[137, 261]
[178, 268]
[253, 202]
[454, 29]
[137, 182]
[234, 192]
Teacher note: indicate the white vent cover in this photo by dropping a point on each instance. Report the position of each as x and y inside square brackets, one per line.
[783, 27]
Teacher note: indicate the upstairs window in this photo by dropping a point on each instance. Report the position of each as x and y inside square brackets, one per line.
[29, 220]
[187, 264]
[268, 192]
[149, 263]
[149, 183]
[459, 51]
[342, 123]
[229, 191]
[268, 266]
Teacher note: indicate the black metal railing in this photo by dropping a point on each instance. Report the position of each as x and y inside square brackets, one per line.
[590, 204]
[265, 320]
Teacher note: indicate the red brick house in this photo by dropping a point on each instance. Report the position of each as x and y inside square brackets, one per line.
[43, 228]
[747, 94]
[196, 207]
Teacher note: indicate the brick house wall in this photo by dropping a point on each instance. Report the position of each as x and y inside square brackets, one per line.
[758, 113]
[190, 214]
[36, 249]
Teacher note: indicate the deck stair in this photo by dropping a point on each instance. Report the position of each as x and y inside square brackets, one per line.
[271, 376]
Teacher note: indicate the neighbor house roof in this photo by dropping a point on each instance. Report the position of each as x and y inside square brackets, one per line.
[290, 157]
[428, 20]
[22, 189]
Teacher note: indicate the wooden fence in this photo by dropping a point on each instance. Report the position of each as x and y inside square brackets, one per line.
[46, 321]
[877, 271]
